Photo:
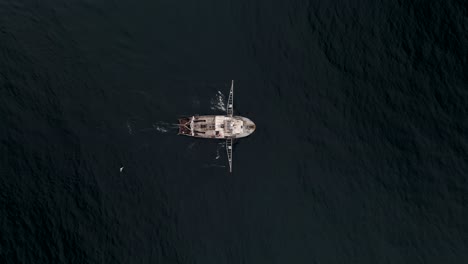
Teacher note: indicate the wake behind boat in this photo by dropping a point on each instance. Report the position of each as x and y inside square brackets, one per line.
[226, 127]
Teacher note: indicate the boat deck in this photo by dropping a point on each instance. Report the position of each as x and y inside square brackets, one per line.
[215, 126]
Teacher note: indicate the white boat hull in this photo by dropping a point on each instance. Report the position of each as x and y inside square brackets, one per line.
[216, 126]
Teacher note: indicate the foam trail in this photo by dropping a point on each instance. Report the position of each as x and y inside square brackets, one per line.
[162, 127]
[220, 145]
[129, 127]
[213, 165]
[218, 103]
[196, 102]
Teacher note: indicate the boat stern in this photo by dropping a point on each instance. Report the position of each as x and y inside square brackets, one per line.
[185, 126]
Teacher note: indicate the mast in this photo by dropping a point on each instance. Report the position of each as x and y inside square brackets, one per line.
[230, 112]
[191, 126]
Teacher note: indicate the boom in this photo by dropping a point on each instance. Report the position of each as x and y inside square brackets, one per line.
[230, 102]
[229, 152]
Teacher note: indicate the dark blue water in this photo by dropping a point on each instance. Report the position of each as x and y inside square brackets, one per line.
[360, 153]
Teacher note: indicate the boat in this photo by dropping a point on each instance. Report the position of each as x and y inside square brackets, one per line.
[227, 127]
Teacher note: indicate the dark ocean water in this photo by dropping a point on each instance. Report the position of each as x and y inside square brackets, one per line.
[360, 153]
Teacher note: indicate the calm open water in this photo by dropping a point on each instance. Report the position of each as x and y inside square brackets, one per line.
[360, 153]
